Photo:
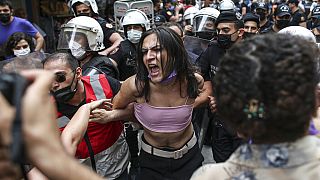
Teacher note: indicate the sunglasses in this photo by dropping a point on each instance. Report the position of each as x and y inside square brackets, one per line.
[61, 76]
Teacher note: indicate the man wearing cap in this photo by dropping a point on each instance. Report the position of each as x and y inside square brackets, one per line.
[159, 20]
[251, 25]
[282, 18]
[230, 31]
[315, 18]
[314, 23]
[298, 17]
[262, 10]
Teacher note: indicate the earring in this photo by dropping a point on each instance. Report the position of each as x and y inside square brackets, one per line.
[254, 109]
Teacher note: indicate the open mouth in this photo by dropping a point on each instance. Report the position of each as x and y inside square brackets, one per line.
[154, 69]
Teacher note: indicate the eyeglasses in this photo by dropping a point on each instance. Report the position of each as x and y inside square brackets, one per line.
[61, 76]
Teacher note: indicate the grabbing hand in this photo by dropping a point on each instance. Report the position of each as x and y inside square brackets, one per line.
[101, 115]
[212, 104]
[101, 104]
[188, 28]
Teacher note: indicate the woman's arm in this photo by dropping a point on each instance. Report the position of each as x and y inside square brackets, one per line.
[104, 116]
[126, 95]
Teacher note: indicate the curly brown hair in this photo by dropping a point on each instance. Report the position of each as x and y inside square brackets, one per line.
[279, 71]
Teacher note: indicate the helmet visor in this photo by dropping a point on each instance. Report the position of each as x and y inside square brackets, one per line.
[74, 36]
[204, 23]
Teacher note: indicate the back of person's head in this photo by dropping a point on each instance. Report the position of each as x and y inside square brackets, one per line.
[6, 3]
[266, 91]
[65, 57]
[14, 39]
[171, 25]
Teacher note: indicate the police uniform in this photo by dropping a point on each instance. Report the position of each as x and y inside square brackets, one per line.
[297, 18]
[125, 57]
[107, 31]
[225, 140]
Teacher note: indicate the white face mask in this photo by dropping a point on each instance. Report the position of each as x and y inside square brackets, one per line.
[21, 52]
[134, 36]
[76, 50]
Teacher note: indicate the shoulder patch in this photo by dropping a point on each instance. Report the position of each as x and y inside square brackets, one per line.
[108, 25]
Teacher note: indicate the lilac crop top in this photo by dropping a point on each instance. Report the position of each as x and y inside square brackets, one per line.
[163, 119]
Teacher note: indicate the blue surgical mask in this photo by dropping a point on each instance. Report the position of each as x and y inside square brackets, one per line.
[134, 36]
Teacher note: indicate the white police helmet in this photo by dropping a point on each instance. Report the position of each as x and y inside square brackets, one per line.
[189, 14]
[227, 5]
[299, 31]
[135, 16]
[92, 3]
[81, 31]
[202, 17]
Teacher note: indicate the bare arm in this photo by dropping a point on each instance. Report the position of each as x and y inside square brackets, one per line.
[202, 99]
[104, 116]
[126, 95]
[41, 134]
[76, 128]
[39, 40]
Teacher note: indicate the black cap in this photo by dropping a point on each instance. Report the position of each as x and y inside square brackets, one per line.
[159, 19]
[282, 10]
[251, 17]
[226, 16]
[293, 1]
[316, 12]
[262, 5]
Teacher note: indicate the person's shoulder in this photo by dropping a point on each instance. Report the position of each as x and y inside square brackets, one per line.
[20, 20]
[210, 171]
[268, 30]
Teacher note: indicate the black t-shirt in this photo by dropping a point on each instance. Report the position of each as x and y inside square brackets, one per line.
[297, 18]
[69, 110]
[266, 26]
[208, 61]
[107, 32]
[268, 30]
[126, 59]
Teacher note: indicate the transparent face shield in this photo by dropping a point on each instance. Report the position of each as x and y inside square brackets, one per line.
[189, 19]
[204, 23]
[74, 38]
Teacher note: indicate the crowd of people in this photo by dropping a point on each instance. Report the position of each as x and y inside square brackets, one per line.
[242, 78]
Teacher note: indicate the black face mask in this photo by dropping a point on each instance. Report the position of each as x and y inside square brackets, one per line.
[224, 40]
[247, 35]
[5, 18]
[65, 94]
[318, 38]
[205, 35]
[83, 14]
[282, 23]
[262, 15]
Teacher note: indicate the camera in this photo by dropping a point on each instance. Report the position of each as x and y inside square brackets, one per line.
[12, 87]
